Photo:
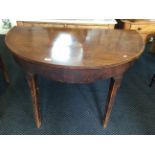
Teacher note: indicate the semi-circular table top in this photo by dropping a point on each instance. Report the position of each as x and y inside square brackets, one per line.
[75, 48]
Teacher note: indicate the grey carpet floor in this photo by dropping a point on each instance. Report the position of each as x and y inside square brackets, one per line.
[78, 108]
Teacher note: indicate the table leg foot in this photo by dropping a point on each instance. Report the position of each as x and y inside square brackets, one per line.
[114, 85]
[32, 82]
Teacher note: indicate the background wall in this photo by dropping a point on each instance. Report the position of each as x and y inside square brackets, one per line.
[6, 24]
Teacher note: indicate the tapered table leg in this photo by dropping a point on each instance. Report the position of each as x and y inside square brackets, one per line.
[4, 71]
[32, 82]
[114, 85]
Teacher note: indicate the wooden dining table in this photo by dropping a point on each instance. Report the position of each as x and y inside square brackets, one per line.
[74, 55]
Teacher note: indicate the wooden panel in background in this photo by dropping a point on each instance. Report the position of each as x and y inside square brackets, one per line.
[71, 24]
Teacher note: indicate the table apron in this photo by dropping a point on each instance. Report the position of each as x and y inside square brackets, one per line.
[73, 75]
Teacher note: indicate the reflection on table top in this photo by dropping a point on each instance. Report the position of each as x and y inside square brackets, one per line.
[88, 48]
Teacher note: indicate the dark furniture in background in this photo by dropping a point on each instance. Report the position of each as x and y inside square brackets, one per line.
[4, 71]
[152, 80]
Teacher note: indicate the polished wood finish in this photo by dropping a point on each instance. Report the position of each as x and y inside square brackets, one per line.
[4, 71]
[74, 55]
[75, 48]
[114, 85]
[32, 82]
[146, 28]
[66, 24]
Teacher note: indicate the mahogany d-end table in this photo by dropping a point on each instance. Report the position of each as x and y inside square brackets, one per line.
[75, 56]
